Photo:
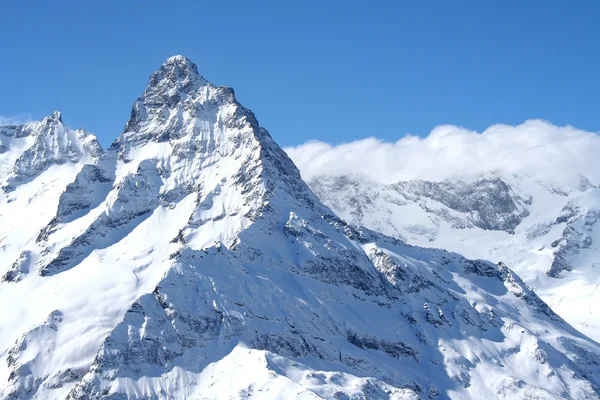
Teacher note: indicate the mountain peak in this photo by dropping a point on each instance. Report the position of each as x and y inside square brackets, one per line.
[56, 115]
[53, 119]
[36, 146]
[177, 72]
[176, 82]
[180, 66]
[197, 121]
[180, 61]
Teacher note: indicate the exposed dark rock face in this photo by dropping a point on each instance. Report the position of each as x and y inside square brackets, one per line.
[488, 203]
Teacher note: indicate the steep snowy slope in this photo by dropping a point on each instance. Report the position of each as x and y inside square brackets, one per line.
[548, 233]
[190, 261]
[37, 161]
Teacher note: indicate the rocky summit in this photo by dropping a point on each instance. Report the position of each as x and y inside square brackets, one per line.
[191, 261]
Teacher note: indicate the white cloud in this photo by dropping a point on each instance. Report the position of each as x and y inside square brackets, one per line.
[19, 119]
[535, 147]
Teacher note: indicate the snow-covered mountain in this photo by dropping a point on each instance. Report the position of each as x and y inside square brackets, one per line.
[37, 162]
[190, 261]
[548, 233]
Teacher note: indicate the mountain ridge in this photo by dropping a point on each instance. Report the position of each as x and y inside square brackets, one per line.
[551, 240]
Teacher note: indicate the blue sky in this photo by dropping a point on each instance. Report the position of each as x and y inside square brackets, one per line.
[335, 71]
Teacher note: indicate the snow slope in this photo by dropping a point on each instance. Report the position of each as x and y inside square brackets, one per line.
[190, 261]
[546, 231]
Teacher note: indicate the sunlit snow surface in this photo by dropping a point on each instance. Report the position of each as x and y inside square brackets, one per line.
[190, 261]
[556, 223]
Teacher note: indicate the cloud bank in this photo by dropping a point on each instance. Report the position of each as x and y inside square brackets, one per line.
[536, 148]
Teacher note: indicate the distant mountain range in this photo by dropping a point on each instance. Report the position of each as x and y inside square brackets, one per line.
[546, 232]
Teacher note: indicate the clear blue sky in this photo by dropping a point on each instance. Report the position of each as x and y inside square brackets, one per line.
[329, 70]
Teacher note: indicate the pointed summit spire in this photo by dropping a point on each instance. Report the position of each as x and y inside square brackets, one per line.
[57, 116]
[179, 66]
[171, 90]
[177, 72]
[54, 118]
[182, 62]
